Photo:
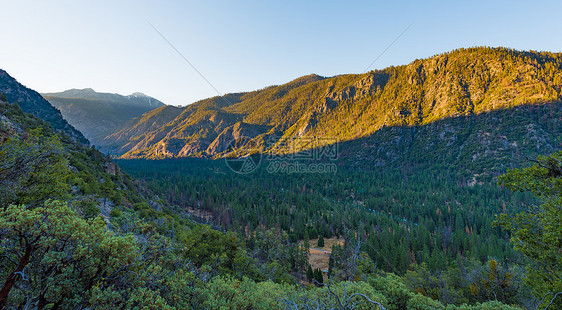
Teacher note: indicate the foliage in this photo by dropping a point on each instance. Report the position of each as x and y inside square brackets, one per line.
[57, 258]
[343, 295]
[537, 232]
[33, 169]
[470, 281]
[228, 293]
[397, 293]
[205, 246]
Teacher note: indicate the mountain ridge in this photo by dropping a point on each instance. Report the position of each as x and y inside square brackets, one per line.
[89, 93]
[31, 101]
[460, 83]
[99, 114]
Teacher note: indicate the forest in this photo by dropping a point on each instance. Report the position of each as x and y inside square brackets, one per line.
[417, 216]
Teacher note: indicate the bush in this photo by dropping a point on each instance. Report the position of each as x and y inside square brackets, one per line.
[115, 212]
[420, 302]
[394, 289]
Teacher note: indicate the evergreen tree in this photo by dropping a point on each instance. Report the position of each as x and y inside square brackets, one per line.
[318, 276]
[309, 273]
[330, 266]
[320, 241]
[306, 242]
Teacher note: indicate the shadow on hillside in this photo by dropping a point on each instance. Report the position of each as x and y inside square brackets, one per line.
[484, 143]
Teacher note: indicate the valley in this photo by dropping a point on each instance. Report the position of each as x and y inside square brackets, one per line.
[443, 174]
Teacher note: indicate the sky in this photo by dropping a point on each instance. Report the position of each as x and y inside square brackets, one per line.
[153, 46]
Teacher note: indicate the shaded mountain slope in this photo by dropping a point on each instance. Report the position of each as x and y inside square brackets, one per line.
[31, 101]
[98, 114]
[478, 146]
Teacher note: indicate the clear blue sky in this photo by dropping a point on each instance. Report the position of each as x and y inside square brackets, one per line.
[246, 45]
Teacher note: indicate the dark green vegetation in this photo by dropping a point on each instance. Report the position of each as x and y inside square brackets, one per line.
[105, 244]
[31, 101]
[404, 217]
[458, 84]
[97, 115]
[428, 225]
[537, 232]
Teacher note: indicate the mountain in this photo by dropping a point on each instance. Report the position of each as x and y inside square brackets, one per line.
[98, 114]
[141, 128]
[442, 99]
[31, 101]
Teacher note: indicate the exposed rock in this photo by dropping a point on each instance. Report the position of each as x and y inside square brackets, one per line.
[457, 85]
[235, 132]
[328, 105]
[8, 129]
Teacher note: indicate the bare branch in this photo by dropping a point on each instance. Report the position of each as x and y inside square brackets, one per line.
[368, 299]
[552, 300]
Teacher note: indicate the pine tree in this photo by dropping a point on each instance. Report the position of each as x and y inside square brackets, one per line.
[318, 276]
[306, 242]
[330, 266]
[309, 273]
[320, 241]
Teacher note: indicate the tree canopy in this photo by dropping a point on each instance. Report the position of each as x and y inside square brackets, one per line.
[537, 232]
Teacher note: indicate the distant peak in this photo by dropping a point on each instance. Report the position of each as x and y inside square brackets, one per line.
[76, 92]
[138, 94]
[83, 90]
[307, 79]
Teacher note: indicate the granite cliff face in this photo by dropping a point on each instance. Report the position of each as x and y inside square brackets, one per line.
[453, 89]
[31, 101]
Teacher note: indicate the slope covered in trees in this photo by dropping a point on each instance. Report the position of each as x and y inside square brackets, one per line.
[429, 226]
[460, 83]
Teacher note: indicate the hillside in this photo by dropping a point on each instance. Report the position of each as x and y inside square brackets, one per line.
[98, 114]
[31, 101]
[456, 86]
